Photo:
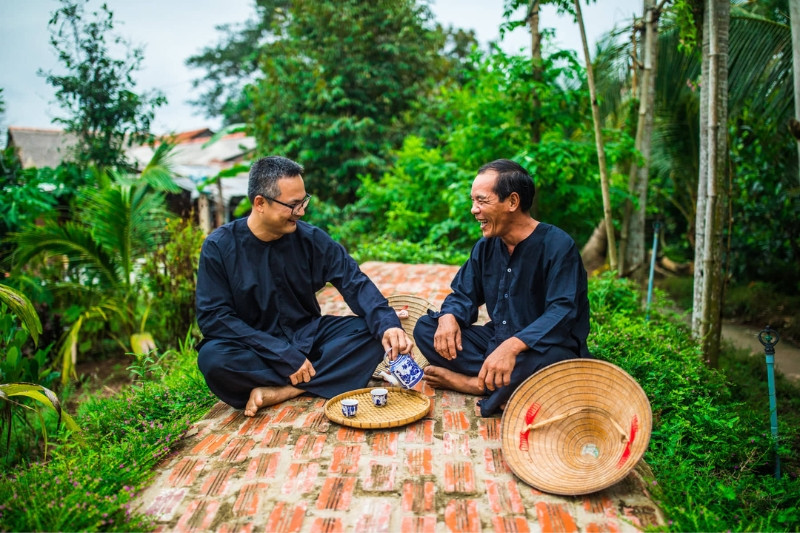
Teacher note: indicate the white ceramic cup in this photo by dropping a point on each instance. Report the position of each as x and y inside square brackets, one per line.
[349, 407]
[379, 397]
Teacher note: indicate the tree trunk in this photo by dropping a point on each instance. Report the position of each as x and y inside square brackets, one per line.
[601, 153]
[708, 291]
[593, 253]
[632, 258]
[794, 14]
[536, 103]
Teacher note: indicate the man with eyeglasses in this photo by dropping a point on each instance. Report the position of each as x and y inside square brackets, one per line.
[531, 278]
[264, 338]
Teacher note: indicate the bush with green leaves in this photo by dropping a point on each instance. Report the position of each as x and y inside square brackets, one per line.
[169, 274]
[712, 455]
[89, 486]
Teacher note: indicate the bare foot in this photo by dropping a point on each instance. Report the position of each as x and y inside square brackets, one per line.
[265, 396]
[439, 377]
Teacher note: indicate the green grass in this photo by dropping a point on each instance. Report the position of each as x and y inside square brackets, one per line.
[89, 486]
[711, 450]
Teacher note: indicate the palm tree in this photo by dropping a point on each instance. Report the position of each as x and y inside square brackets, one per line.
[112, 228]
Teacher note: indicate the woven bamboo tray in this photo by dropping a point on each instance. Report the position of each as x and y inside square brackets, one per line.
[403, 407]
[415, 306]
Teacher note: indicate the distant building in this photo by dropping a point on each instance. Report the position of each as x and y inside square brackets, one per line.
[196, 158]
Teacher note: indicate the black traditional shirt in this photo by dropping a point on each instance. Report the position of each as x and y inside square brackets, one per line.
[263, 294]
[538, 294]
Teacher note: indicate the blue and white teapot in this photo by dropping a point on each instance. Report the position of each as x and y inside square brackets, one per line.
[404, 369]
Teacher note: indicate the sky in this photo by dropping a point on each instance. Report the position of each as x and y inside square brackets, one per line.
[170, 31]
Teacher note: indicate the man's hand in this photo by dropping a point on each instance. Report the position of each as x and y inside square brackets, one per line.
[398, 341]
[303, 374]
[497, 368]
[447, 339]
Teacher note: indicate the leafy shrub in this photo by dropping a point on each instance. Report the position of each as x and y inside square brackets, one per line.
[89, 487]
[170, 276]
[712, 454]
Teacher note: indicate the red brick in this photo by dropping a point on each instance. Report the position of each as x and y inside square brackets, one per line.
[504, 498]
[209, 445]
[336, 493]
[385, 443]
[275, 438]
[419, 462]
[459, 476]
[284, 518]
[461, 516]
[231, 421]
[418, 496]
[489, 429]
[166, 503]
[374, 517]
[217, 482]
[237, 450]
[257, 424]
[419, 524]
[453, 399]
[381, 477]
[300, 478]
[431, 414]
[239, 526]
[327, 525]
[309, 447]
[420, 432]
[510, 524]
[425, 389]
[555, 517]
[317, 422]
[608, 527]
[455, 444]
[185, 472]
[454, 421]
[288, 415]
[347, 434]
[198, 515]
[246, 503]
[345, 459]
[495, 462]
[263, 467]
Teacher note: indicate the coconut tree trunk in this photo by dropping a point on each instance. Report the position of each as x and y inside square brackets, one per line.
[794, 14]
[536, 103]
[632, 256]
[708, 290]
[598, 136]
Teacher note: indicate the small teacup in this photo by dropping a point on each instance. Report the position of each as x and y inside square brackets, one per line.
[379, 397]
[349, 407]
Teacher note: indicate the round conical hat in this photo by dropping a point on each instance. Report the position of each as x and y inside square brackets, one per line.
[576, 427]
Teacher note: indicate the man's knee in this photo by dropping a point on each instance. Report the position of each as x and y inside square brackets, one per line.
[425, 328]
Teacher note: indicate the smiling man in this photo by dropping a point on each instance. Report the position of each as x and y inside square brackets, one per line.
[531, 278]
[264, 338]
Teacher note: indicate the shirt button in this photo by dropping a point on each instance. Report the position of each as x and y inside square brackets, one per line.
[509, 270]
[504, 321]
[505, 295]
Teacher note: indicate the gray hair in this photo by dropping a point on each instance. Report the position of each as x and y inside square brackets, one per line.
[265, 173]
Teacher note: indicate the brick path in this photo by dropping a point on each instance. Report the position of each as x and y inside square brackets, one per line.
[290, 469]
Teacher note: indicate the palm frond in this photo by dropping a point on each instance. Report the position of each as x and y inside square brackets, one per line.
[74, 241]
[21, 306]
[158, 172]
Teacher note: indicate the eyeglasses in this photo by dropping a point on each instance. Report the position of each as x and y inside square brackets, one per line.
[295, 207]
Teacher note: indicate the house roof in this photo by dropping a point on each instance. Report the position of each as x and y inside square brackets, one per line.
[37, 147]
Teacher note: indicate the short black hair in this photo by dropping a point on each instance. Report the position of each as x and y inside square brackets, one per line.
[265, 173]
[512, 177]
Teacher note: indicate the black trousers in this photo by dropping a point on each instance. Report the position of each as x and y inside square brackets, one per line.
[476, 340]
[344, 354]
